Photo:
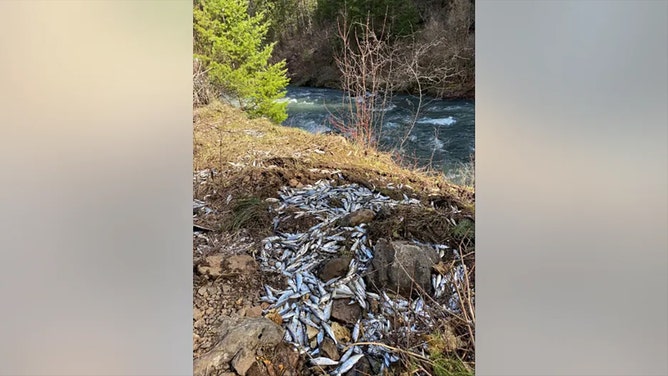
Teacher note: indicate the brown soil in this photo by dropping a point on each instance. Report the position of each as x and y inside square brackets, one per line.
[233, 293]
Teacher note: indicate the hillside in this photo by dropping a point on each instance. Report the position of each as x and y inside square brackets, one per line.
[418, 46]
[241, 165]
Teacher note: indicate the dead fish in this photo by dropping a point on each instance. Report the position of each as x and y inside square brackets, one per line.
[320, 336]
[356, 331]
[347, 365]
[346, 354]
[282, 299]
[309, 300]
[308, 321]
[323, 361]
[342, 291]
[373, 295]
[327, 311]
[330, 332]
[298, 281]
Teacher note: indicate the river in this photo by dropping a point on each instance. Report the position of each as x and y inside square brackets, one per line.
[443, 135]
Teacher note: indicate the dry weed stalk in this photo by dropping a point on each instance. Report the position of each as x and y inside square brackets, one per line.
[203, 92]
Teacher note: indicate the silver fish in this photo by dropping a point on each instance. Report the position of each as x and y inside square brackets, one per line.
[346, 354]
[323, 361]
[327, 311]
[356, 331]
[330, 333]
[347, 365]
[309, 300]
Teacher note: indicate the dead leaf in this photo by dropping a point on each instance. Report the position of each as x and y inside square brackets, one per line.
[441, 268]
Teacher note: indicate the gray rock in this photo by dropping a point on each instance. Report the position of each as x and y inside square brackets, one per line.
[243, 360]
[400, 266]
[239, 339]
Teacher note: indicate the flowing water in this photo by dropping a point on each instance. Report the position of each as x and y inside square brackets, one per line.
[442, 134]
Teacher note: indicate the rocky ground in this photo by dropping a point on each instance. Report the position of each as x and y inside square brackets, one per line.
[235, 332]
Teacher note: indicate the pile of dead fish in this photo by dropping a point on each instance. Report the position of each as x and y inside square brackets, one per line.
[305, 306]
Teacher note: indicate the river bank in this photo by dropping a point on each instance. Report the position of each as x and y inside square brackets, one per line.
[241, 166]
[427, 132]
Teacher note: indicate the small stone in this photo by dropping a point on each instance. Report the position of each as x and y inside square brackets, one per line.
[345, 312]
[202, 291]
[197, 314]
[275, 317]
[293, 183]
[328, 349]
[336, 267]
[254, 311]
[341, 333]
[199, 323]
[212, 266]
[311, 332]
[212, 291]
[209, 311]
[357, 218]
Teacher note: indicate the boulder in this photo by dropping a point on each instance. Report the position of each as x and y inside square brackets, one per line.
[402, 267]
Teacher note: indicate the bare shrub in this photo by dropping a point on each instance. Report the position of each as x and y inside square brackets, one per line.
[365, 63]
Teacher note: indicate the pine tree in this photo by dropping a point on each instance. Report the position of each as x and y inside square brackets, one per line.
[231, 43]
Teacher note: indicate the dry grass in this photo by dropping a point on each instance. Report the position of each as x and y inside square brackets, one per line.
[203, 91]
[257, 151]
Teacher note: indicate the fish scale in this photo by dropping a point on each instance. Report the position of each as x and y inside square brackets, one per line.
[308, 300]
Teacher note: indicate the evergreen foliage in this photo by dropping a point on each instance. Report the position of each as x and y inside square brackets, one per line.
[400, 16]
[231, 43]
